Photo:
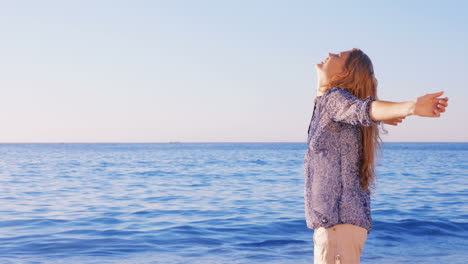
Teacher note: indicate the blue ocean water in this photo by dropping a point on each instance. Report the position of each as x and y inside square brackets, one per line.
[216, 203]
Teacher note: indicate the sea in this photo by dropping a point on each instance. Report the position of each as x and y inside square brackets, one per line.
[216, 203]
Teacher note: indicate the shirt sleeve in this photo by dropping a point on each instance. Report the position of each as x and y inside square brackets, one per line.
[342, 106]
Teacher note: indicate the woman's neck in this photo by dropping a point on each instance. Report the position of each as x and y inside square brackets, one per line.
[321, 84]
[320, 88]
[319, 93]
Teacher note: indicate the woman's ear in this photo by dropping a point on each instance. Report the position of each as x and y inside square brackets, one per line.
[344, 74]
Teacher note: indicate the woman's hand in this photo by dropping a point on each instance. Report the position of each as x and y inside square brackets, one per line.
[429, 106]
[394, 121]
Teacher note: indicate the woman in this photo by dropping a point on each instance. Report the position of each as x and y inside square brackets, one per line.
[343, 138]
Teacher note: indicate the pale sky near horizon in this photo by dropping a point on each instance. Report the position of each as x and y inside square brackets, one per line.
[217, 71]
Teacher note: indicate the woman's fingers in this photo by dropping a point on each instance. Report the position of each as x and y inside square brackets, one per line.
[442, 102]
[394, 121]
[430, 106]
[398, 120]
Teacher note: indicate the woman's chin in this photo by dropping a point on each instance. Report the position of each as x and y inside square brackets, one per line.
[319, 67]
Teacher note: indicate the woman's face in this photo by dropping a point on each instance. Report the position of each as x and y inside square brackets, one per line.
[333, 65]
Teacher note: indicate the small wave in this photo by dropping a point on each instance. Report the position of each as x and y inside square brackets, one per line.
[157, 212]
[186, 242]
[103, 233]
[104, 220]
[258, 161]
[273, 242]
[165, 198]
[67, 246]
[106, 164]
[155, 173]
[423, 228]
[31, 222]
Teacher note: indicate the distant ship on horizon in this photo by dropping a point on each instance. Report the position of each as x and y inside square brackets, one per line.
[174, 142]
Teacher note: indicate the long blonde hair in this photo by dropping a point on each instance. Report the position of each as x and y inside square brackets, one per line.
[362, 83]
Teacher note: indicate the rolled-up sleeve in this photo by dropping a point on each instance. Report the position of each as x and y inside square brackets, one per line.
[342, 106]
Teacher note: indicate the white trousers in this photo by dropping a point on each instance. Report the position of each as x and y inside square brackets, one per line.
[339, 244]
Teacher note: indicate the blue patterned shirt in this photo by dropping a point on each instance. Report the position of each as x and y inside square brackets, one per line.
[332, 192]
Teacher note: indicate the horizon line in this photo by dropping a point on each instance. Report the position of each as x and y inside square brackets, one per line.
[203, 142]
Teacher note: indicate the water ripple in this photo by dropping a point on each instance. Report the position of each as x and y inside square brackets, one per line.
[216, 203]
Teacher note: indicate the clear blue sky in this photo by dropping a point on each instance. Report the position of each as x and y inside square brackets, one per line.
[217, 71]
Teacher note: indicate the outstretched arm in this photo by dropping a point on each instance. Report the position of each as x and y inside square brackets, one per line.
[427, 105]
